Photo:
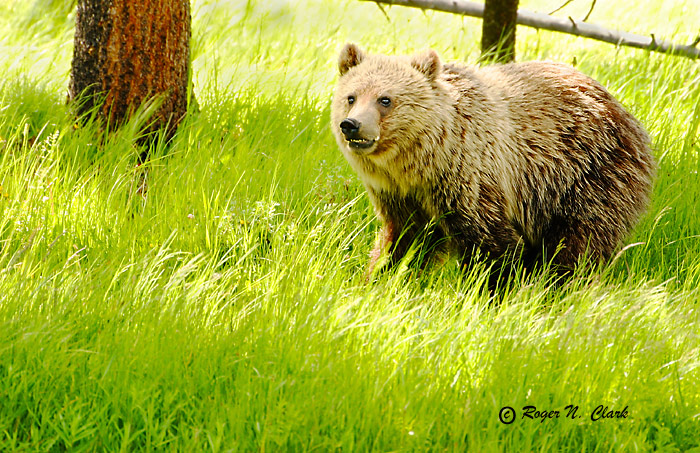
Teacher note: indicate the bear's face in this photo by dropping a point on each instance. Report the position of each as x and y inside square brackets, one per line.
[381, 106]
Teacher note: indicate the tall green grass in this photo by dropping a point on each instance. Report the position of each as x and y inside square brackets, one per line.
[214, 297]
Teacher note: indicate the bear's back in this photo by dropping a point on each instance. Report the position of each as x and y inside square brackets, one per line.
[546, 132]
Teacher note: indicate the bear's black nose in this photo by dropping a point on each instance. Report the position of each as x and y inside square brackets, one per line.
[350, 126]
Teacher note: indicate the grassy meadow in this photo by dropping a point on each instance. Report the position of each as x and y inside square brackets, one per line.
[224, 308]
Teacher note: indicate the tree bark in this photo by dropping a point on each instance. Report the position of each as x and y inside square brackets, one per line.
[498, 30]
[127, 52]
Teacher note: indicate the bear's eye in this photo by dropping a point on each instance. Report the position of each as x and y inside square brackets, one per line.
[384, 101]
[351, 99]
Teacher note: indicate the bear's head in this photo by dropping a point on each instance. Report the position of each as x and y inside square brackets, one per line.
[382, 104]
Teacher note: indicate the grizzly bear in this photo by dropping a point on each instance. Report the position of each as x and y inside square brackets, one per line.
[533, 161]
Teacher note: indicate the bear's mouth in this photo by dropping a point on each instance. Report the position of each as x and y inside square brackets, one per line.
[360, 143]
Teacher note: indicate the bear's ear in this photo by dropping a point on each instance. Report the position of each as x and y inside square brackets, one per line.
[350, 56]
[428, 63]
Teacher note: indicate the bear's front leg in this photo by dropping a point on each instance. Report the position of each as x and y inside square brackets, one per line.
[403, 220]
[395, 240]
[387, 237]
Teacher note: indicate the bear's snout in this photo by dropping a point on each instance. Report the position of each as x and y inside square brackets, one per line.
[350, 128]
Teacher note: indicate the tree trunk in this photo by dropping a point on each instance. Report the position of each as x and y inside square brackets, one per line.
[498, 30]
[127, 52]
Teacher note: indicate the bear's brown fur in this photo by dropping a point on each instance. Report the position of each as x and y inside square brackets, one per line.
[519, 158]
